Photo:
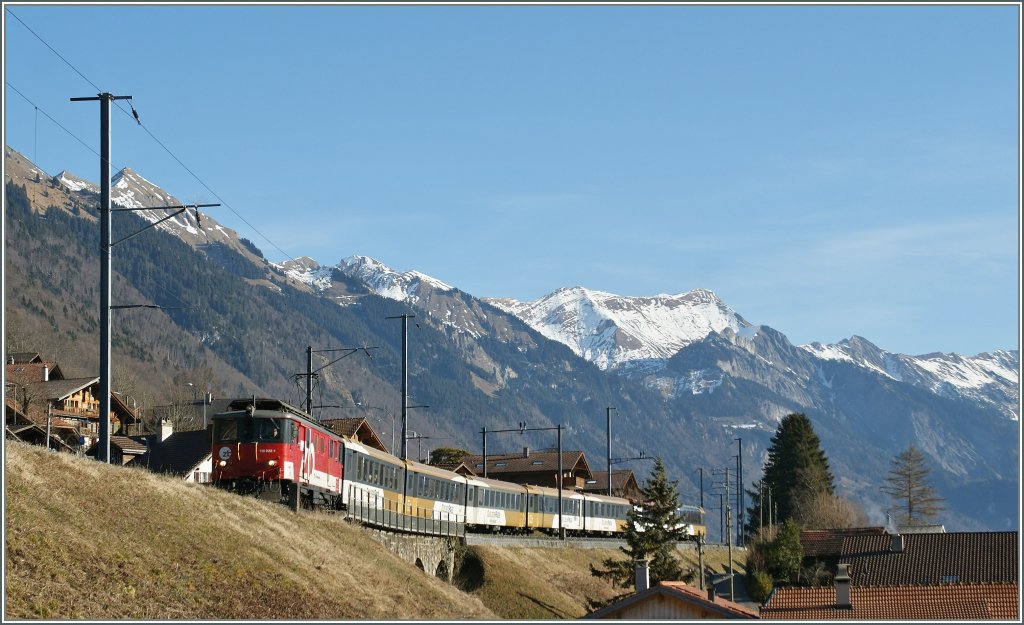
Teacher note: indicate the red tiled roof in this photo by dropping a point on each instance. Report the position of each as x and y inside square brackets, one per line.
[957, 557]
[936, 602]
[697, 595]
[680, 591]
[128, 445]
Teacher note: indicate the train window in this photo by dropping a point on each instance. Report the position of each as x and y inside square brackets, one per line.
[227, 430]
[268, 430]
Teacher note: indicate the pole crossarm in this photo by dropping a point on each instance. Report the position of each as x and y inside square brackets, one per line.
[122, 209]
[350, 350]
[558, 484]
[181, 209]
[123, 306]
[642, 456]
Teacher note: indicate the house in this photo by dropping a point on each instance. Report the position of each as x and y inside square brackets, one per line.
[881, 576]
[183, 454]
[41, 392]
[822, 548]
[357, 429]
[675, 601]
[539, 468]
[123, 450]
[954, 557]
[624, 485]
[20, 427]
[939, 602]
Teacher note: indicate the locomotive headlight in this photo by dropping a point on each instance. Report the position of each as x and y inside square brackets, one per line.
[272, 462]
[223, 463]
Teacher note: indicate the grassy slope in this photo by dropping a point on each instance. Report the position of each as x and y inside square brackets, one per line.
[90, 541]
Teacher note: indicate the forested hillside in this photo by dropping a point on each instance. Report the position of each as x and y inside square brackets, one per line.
[244, 336]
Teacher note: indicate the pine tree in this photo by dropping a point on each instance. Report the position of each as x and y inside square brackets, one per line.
[652, 531]
[907, 484]
[797, 473]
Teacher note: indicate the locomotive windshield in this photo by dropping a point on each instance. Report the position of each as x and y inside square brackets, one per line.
[247, 430]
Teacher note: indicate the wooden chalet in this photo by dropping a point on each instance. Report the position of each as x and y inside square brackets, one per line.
[123, 450]
[539, 468]
[19, 427]
[624, 485]
[41, 394]
[357, 429]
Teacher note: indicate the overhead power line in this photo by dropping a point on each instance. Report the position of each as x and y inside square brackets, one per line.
[134, 116]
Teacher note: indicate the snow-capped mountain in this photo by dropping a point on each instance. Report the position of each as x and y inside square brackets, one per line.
[613, 330]
[377, 277]
[687, 373]
[989, 378]
[128, 189]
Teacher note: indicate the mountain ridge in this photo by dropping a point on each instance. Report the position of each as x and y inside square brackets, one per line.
[487, 366]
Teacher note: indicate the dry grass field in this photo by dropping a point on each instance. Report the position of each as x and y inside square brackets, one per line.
[86, 540]
[91, 541]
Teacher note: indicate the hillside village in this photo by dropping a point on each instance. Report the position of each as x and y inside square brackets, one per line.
[869, 573]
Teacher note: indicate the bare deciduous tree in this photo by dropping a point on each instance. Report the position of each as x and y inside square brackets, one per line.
[907, 484]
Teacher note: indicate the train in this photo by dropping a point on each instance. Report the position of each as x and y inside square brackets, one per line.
[267, 448]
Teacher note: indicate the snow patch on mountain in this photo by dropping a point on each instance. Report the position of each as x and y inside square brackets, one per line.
[992, 378]
[74, 183]
[612, 330]
[386, 282]
[308, 271]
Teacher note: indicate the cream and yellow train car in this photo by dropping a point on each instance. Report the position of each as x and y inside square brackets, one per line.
[433, 493]
[372, 481]
[605, 515]
[542, 509]
[495, 506]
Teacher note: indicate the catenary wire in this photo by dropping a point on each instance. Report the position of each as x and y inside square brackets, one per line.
[158, 141]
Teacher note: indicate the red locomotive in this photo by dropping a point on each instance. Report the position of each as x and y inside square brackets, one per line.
[268, 448]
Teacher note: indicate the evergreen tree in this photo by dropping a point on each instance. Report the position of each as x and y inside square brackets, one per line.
[652, 531]
[907, 484]
[797, 473]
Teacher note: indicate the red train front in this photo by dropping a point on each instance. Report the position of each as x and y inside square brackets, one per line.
[267, 448]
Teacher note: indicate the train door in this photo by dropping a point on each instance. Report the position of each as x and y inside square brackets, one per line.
[307, 456]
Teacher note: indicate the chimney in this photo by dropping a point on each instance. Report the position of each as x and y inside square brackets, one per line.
[641, 576]
[897, 544]
[843, 587]
[166, 429]
[711, 593]
[526, 452]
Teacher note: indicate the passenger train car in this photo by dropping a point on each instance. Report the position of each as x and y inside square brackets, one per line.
[265, 447]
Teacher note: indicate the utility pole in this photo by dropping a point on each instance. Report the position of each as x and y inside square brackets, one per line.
[105, 210]
[405, 377]
[739, 494]
[728, 524]
[103, 452]
[522, 429]
[608, 414]
[310, 374]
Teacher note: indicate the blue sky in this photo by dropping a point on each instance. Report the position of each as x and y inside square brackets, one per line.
[826, 170]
